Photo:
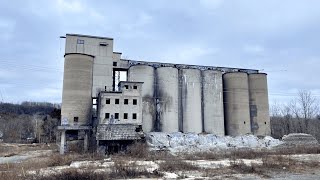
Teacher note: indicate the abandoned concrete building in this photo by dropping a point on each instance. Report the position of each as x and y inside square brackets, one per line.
[108, 100]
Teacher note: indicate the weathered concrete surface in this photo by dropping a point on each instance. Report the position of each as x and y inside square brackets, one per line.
[143, 73]
[168, 95]
[191, 100]
[236, 103]
[213, 102]
[77, 86]
[259, 104]
[118, 132]
[130, 94]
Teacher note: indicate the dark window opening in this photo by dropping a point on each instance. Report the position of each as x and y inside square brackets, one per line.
[107, 115]
[80, 41]
[116, 115]
[139, 129]
[103, 44]
[134, 116]
[117, 101]
[126, 101]
[76, 119]
[125, 116]
[107, 101]
[135, 87]
[126, 86]
[244, 122]
[134, 102]
[265, 122]
[115, 63]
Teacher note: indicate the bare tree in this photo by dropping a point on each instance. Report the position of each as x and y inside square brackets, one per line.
[275, 109]
[308, 104]
[295, 110]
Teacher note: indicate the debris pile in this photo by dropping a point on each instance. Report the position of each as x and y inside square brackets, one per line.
[299, 139]
[191, 142]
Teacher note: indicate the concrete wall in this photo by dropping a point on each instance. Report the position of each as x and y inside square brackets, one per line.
[145, 74]
[236, 103]
[121, 108]
[259, 106]
[77, 86]
[167, 96]
[191, 100]
[213, 102]
[103, 61]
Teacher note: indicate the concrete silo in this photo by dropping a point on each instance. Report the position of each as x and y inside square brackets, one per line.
[213, 102]
[236, 103]
[168, 95]
[145, 74]
[77, 87]
[259, 106]
[191, 100]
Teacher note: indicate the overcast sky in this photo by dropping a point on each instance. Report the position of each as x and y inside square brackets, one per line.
[282, 38]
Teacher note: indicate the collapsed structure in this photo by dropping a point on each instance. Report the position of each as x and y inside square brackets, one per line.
[113, 101]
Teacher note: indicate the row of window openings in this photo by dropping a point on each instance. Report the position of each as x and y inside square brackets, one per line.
[126, 101]
[131, 87]
[125, 115]
[81, 41]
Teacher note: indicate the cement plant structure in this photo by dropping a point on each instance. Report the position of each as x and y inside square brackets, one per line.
[98, 105]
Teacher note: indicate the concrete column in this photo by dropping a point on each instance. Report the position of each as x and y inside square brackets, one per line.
[63, 142]
[86, 141]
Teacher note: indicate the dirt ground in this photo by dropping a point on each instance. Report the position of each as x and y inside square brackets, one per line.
[41, 161]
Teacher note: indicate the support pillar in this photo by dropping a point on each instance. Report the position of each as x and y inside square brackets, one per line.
[63, 142]
[86, 141]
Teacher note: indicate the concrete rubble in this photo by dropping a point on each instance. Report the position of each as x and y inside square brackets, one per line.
[300, 139]
[191, 142]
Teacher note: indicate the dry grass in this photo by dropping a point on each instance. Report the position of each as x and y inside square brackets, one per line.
[173, 165]
[140, 151]
[73, 174]
[277, 160]
[122, 169]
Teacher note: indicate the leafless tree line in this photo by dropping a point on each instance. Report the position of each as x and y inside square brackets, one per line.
[304, 106]
[300, 115]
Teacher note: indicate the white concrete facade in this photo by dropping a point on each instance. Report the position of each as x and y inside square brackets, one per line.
[123, 107]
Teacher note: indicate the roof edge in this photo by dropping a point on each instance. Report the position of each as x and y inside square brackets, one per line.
[89, 36]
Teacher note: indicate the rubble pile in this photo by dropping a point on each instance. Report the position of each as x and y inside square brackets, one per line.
[182, 142]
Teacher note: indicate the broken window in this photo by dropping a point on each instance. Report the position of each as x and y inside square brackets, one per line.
[107, 115]
[135, 102]
[76, 119]
[117, 101]
[134, 116]
[125, 116]
[126, 101]
[108, 101]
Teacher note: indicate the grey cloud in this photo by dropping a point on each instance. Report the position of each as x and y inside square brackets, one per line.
[270, 34]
